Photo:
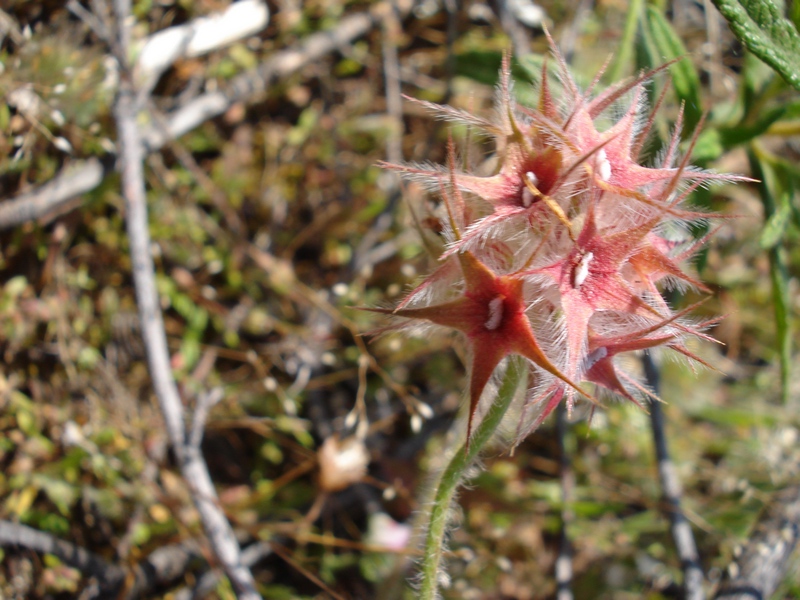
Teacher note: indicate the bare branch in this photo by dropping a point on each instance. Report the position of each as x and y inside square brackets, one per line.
[671, 488]
[564, 569]
[249, 84]
[254, 82]
[200, 36]
[78, 178]
[162, 567]
[205, 402]
[109, 576]
[191, 461]
[250, 555]
[94, 22]
[193, 467]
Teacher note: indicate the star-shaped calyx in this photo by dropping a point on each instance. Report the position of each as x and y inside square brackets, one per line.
[530, 166]
[602, 349]
[590, 279]
[491, 312]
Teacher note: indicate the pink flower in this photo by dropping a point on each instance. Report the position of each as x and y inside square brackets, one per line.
[585, 232]
[491, 311]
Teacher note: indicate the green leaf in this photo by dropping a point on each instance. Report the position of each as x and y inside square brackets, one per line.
[668, 46]
[708, 147]
[761, 26]
[781, 300]
[770, 187]
[775, 227]
[624, 55]
[788, 173]
[479, 66]
[744, 132]
[756, 76]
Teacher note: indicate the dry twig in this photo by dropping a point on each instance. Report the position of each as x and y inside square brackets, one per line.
[162, 567]
[564, 560]
[110, 577]
[83, 177]
[190, 459]
[671, 488]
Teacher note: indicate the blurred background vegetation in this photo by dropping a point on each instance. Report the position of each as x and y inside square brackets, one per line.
[271, 222]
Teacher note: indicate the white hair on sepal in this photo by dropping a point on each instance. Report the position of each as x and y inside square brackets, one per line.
[698, 214]
[672, 355]
[671, 283]
[427, 175]
[613, 323]
[551, 333]
[406, 327]
[427, 296]
[545, 284]
[417, 328]
[419, 297]
[582, 410]
[450, 114]
[472, 240]
[530, 254]
[656, 301]
[642, 115]
[554, 249]
[503, 106]
[436, 290]
[630, 213]
[674, 230]
[491, 226]
[608, 397]
[617, 110]
[488, 396]
[570, 191]
[551, 140]
[524, 410]
[450, 236]
[533, 405]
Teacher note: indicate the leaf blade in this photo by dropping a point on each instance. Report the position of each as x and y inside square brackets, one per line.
[761, 27]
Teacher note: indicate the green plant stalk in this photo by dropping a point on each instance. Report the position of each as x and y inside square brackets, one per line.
[665, 43]
[624, 55]
[454, 473]
[779, 275]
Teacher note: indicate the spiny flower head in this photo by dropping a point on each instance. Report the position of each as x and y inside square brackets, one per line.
[558, 255]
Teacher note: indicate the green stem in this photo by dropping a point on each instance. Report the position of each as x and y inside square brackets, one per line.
[623, 57]
[779, 277]
[454, 473]
[769, 188]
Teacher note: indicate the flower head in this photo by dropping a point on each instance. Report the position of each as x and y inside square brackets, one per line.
[587, 232]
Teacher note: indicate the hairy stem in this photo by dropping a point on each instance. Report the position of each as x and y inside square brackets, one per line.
[454, 473]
